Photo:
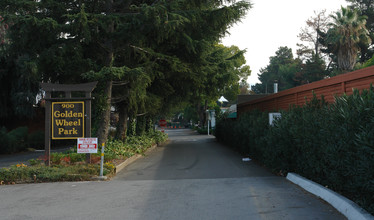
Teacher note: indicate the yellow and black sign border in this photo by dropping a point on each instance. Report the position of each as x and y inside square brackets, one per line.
[52, 117]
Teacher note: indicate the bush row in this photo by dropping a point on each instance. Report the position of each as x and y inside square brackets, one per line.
[116, 149]
[18, 140]
[329, 144]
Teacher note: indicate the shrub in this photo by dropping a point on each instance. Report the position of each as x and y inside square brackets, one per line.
[330, 144]
[245, 134]
[4, 141]
[36, 140]
[41, 173]
[205, 130]
[67, 158]
[13, 141]
[133, 145]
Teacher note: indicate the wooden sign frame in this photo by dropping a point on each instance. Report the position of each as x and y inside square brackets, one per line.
[67, 90]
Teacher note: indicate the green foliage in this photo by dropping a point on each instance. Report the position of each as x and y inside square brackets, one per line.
[132, 127]
[289, 72]
[205, 130]
[345, 37]
[141, 125]
[282, 69]
[330, 144]
[313, 70]
[365, 7]
[41, 173]
[18, 140]
[36, 140]
[154, 53]
[157, 136]
[67, 158]
[244, 135]
[368, 63]
[116, 149]
[13, 141]
[190, 114]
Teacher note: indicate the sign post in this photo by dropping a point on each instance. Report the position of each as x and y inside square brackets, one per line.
[163, 123]
[102, 161]
[67, 113]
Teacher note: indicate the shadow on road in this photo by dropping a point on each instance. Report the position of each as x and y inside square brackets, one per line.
[194, 177]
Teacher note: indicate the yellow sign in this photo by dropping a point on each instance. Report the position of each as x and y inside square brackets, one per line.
[67, 120]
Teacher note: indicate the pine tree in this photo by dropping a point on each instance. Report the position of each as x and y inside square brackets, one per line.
[137, 50]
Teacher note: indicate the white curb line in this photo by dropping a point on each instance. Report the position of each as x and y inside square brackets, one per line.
[345, 206]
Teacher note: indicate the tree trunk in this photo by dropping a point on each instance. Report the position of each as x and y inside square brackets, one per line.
[140, 125]
[347, 58]
[103, 129]
[201, 111]
[122, 122]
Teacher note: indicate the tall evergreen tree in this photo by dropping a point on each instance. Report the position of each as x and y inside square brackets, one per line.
[219, 73]
[137, 47]
[276, 72]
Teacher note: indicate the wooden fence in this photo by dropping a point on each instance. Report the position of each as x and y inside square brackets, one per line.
[329, 88]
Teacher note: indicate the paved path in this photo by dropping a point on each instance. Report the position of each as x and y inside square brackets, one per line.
[193, 177]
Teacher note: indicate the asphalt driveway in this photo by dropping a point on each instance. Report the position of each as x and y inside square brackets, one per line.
[192, 177]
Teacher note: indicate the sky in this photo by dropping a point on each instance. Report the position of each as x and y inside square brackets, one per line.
[271, 24]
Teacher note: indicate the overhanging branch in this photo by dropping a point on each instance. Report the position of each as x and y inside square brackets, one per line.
[120, 83]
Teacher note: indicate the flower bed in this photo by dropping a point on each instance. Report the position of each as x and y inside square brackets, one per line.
[71, 166]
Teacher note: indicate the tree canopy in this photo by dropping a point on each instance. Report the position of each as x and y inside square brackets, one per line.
[341, 39]
[309, 35]
[146, 55]
[347, 31]
[365, 7]
[280, 70]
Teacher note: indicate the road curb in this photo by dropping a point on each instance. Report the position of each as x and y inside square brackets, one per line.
[345, 206]
[129, 160]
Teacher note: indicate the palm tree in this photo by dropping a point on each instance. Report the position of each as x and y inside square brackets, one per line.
[346, 32]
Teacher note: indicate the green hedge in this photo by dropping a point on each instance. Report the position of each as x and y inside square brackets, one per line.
[18, 140]
[329, 144]
[134, 144]
[14, 140]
